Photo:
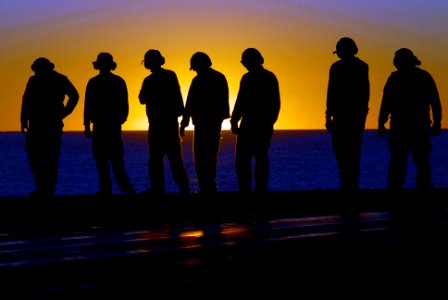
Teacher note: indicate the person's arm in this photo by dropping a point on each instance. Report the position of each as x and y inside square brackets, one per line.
[436, 108]
[87, 111]
[275, 99]
[24, 113]
[73, 98]
[237, 109]
[384, 109]
[329, 112]
[124, 110]
[224, 99]
[142, 96]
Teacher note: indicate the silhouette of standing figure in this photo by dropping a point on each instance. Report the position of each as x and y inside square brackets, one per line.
[346, 112]
[42, 114]
[161, 94]
[410, 95]
[253, 117]
[208, 105]
[106, 106]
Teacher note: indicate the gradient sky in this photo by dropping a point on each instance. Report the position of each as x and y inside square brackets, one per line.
[296, 38]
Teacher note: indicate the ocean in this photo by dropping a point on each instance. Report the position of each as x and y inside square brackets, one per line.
[299, 160]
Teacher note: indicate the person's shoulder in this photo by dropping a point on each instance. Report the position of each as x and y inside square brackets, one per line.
[218, 73]
[117, 77]
[423, 72]
[269, 74]
[168, 72]
[58, 75]
[361, 62]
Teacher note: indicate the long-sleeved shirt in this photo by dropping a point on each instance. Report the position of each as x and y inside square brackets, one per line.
[409, 98]
[106, 100]
[43, 100]
[208, 99]
[258, 101]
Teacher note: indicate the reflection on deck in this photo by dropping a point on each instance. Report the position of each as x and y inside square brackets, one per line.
[73, 247]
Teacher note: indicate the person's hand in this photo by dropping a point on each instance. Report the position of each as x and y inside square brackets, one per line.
[87, 132]
[436, 128]
[329, 124]
[182, 130]
[24, 128]
[234, 128]
[382, 131]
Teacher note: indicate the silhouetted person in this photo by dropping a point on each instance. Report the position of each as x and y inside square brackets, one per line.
[410, 97]
[161, 94]
[106, 107]
[208, 106]
[347, 107]
[43, 110]
[253, 117]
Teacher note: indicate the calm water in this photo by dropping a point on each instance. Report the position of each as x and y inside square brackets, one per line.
[300, 160]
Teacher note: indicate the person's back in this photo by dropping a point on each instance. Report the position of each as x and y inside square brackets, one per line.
[44, 100]
[412, 93]
[256, 110]
[347, 102]
[348, 90]
[161, 94]
[259, 99]
[106, 106]
[209, 97]
[42, 113]
[110, 93]
[348, 93]
[207, 105]
[410, 99]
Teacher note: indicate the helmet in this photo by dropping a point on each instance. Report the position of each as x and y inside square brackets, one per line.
[252, 56]
[104, 61]
[154, 56]
[42, 64]
[346, 47]
[200, 60]
[404, 58]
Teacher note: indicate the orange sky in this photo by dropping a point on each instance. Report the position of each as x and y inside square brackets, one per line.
[296, 39]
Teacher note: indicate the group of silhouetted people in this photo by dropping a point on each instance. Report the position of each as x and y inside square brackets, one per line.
[410, 100]
[106, 107]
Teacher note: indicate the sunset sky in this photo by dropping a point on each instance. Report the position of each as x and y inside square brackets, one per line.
[296, 38]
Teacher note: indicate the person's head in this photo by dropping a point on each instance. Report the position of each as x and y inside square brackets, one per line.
[104, 61]
[42, 65]
[252, 59]
[405, 59]
[153, 59]
[200, 61]
[346, 47]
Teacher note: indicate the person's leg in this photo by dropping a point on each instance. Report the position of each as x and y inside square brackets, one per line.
[243, 163]
[399, 154]
[176, 161]
[261, 170]
[421, 152]
[206, 147]
[121, 176]
[156, 165]
[105, 182]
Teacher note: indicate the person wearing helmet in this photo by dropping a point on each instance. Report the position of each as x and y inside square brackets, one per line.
[161, 94]
[256, 110]
[106, 106]
[41, 118]
[410, 97]
[347, 102]
[208, 106]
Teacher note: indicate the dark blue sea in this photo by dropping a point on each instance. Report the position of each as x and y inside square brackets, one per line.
[299, 160]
